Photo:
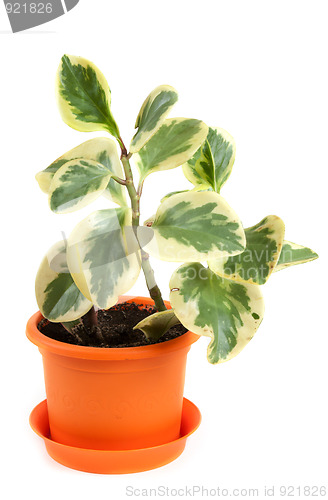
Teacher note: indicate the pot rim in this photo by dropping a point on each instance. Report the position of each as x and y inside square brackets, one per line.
[107, 353]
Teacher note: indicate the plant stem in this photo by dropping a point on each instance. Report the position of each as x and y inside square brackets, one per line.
[91, 322]
[119, 180]
[91, 318]
[153, 288]
[134, 197]
[140, 186]
[148, 271]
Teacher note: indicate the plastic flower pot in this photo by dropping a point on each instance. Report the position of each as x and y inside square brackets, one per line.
[113, 398]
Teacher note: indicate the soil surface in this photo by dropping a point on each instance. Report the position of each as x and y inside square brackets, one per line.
[114, 329]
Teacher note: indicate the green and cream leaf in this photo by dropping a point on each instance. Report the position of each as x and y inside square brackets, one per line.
[293, 254]
[150, 221]
[197, 188]
[263, 246]
[70, 325]
[58, 297]
[168, 195]
[101, 150]
[84, 97]
[103, 256]
[152, 114]
[109, 158]
[76, 184]
[44, 178]
[194, 226]
[157, 324]
[173, 144]
[213, 161]
[207, 304]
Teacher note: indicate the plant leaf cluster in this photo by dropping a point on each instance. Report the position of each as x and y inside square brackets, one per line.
[216, 291]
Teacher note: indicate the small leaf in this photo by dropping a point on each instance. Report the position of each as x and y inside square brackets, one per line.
[212, 163]
[292, 254]
[58, 297]
[157, 324]
[206, 304]
[150, 221]
[101, 150]
[84, 96]
[69, 325]
[194, 226]
[263, 246]
[152, 115]
[76, 184]
[172, 145]
[103, 256]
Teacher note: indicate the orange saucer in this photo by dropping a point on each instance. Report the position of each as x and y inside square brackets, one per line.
[115, 461]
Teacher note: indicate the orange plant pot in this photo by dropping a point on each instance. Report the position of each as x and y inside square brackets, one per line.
[113, 398]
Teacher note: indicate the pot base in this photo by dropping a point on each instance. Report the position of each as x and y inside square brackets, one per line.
[115, 461]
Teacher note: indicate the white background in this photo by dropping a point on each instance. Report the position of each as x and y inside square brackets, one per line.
[259, 70]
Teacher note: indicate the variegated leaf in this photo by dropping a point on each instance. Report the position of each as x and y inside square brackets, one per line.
[292, 254]
[70, 325]
[76, 184]
[194, 226]
[263, 246]
[152, 114]
[45, 177]
[58, 297]
[103, 256]
[172, 145]
[157, 324]
[100, 149]
[212, 163]
[150, 221]
[168, 195]
[84, 96]
[207, 304]
[109, 158]
[197, 188]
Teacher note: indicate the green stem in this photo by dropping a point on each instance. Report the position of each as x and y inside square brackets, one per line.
[119, 180]
[152, 286]
[134, 197]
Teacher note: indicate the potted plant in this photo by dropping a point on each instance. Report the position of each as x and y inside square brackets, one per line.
[114, 366]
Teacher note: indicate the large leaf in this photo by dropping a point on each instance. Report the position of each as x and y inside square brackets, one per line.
[157, 324]
[58, 297]
[103, 256]
[263, 246]
[172, 145]
[100, 149]
[211, 165]
[228, 312]
[76, 184]
[152, 114]
[292, 254]
[84, 96]
[194, 226]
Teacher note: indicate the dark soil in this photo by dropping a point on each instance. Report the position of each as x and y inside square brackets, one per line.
[115, 328]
